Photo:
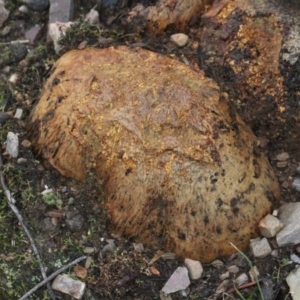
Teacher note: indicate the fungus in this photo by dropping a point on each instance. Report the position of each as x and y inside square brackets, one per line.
[179, 168]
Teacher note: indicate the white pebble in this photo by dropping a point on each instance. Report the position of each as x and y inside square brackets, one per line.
[12, 144]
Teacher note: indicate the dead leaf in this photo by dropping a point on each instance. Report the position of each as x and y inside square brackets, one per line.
[80, 272]
[7, 258]
[156, 257]
[154, 271]
[215, 9]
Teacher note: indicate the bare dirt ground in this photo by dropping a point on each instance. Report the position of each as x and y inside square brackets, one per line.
[71, 220]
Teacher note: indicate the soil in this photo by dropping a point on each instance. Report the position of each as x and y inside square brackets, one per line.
[71, 221]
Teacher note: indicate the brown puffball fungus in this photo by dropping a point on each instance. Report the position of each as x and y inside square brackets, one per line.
[180, 169]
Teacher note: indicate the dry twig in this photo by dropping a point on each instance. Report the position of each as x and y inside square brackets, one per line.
[46, 280]
[11, 202]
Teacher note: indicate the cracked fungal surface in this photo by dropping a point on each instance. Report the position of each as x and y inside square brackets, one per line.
[179, 167]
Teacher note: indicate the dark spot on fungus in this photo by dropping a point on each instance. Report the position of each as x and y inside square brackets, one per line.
[48, 116]
[193, 213]
[270, 197]
[233, 202]
[121, 154]
[219, 202]
[206, 220]
[128, 171]
[181, 236]
[60, 99]
[235, 211]
[219, 230]
[257, 170]
[55, 81]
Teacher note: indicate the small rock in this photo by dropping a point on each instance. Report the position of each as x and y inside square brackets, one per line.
[260, 248]
[4, 13]
[19, 51]
[179, 39]
[61, 11]
[13, 79]
[217, 263]
[269, 226]
[233, 269]
[295, 258]
[204, 293]
[23, 9]
[75, 223]
[33, 33]
[88, 262]
[282, 156]
[38, 5]
[109, 248]
[64, 284]
[178, 281]
[18, 113]
[223, 286]
[138, 247]
[56, 31]
[26, 143]
[92, 17]
[21, 161]
[289, 215]
[89, 250]
[109, 3]
[164, 296]
[240, 280]
[224, 276]
[12, 144]
[194, 267]
[296, 184]
[293, 281]
[282, 164]
[47, 226]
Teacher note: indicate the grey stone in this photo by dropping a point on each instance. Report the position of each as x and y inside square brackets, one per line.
[38, 5]
[178, 281]
[296, 184]
[179, 39]
[33, 33]
[47, 226]
[194, 267]
[234, 269]
[75, 223]
[64, 284]
[289, 215]
[241, 279]
[108, 3]
[108, 248]
[19, 51]
[282, 156]
[12, 144]
[269, 226]
[293, 281]
[295, 258]
[4, 13]
[61, 11]
[260, 248]
[56, 31]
